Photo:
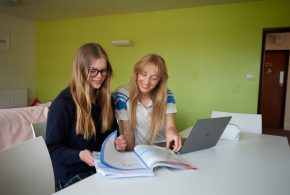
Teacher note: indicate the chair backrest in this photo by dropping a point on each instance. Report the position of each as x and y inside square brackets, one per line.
[26, 168]
[39, 129]
[245, 122]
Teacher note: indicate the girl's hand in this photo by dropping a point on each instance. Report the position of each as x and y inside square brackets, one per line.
[87, 157]
[173, 141]
[121, 143]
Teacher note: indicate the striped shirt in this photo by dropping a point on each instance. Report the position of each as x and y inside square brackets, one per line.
[122, 112]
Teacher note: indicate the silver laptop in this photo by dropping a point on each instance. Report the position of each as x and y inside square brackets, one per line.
[205, 134]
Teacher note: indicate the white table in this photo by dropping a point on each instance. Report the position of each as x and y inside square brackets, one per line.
[255, 165]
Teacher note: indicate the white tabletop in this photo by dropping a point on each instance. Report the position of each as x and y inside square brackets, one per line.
[257, 164]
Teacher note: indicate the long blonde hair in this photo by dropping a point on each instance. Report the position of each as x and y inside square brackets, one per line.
[158, 95]
[84, 95]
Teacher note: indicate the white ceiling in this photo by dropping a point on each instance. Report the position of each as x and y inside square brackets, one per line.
[41, 10]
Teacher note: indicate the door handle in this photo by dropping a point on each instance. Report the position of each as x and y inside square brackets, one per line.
[281, 78]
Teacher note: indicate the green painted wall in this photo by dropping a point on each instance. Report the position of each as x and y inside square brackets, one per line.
[209, 50]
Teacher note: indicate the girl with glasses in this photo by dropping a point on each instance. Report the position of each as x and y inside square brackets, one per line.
[81, 117]
[146, 108]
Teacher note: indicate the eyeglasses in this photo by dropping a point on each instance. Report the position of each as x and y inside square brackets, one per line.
[94, 72]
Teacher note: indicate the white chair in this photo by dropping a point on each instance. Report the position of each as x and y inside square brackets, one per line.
[39, 129]
[185, 133]
[245, 122]
[26, 168]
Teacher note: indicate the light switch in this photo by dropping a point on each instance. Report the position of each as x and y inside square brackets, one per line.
[250, 76]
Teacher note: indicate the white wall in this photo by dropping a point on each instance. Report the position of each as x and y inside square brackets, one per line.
[17, 67]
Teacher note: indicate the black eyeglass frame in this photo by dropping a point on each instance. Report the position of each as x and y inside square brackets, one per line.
[104, 72]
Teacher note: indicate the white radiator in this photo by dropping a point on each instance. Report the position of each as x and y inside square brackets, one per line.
[12, 98]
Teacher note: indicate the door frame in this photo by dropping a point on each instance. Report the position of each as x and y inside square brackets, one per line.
[265, 32]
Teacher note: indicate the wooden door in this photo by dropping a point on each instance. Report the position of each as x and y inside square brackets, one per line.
[274, 80]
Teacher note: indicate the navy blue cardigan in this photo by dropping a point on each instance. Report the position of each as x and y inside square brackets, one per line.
[64, 144]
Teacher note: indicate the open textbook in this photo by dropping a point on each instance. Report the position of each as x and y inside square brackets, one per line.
[140, 162]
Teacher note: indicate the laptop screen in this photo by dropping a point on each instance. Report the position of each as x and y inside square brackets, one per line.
[205, 134]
